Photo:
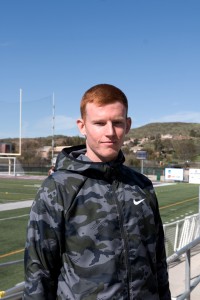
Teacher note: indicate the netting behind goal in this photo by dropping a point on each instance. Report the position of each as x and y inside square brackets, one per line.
[37, 117]
[10, 165]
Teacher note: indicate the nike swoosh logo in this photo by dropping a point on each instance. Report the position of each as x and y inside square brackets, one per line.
[136, 202]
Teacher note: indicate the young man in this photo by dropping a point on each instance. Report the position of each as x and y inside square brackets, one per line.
[95, 230]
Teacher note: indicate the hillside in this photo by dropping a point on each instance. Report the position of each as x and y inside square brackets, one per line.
[164, 142]
[148, 130]
[173, 128]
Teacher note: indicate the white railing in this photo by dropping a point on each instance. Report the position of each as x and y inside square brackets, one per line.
[190, 285]
[181, 232]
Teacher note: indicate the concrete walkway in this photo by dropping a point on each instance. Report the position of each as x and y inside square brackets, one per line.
[177, 275]
[15, 205]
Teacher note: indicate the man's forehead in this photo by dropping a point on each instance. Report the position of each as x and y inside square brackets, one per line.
[102, 106]
[105, 112]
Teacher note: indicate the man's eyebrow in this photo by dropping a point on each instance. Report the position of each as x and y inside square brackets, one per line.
[113, 119]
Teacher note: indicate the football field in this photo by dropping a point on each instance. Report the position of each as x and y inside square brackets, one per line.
[13, 225]
[175, 202]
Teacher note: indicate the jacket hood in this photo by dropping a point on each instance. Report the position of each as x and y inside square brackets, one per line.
[70, 160]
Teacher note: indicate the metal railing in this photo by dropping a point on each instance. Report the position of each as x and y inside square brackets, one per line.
[14, 293]
[181, 232]
[189, 285]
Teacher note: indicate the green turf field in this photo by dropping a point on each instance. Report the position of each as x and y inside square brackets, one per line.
[13, 225]
[17, 189]
[175, 202]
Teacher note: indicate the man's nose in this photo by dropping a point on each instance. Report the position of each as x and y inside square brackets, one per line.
[110, 129]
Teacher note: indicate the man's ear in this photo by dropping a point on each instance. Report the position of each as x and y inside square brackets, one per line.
[128, 124]
[81, 126]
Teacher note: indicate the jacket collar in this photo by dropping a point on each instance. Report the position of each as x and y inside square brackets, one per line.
[72, 159]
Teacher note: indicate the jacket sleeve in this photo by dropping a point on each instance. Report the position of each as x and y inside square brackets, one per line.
[162, 268]
[43, 249]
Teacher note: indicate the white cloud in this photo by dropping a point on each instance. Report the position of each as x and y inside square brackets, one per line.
[44, 127]
[63, 123]
[184, 116]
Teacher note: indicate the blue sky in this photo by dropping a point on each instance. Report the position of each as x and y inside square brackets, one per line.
[148, 48]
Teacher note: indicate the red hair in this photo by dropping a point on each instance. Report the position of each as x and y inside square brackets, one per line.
[102, 94]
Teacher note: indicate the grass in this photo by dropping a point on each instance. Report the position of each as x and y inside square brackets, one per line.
[175, 202]
[12, 190]
[13, 224]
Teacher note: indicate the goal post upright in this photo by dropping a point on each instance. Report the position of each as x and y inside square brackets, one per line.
[53, 126]
[11, 157]
[20, 130]
[20, 121]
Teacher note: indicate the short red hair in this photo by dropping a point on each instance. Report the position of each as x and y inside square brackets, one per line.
[102, 94]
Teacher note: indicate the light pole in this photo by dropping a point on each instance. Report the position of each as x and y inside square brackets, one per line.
[53, 126]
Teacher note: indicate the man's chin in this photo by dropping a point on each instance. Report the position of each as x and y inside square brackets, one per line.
[109, 155]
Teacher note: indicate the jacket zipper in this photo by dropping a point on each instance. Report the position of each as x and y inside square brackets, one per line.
[124, 236]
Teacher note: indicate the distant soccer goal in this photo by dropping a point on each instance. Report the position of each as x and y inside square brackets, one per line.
[8, 165]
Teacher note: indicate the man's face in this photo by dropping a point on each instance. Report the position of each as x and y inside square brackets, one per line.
[105, 128]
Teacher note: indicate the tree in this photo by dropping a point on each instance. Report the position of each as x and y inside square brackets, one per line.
[184, 150]
[158, 143]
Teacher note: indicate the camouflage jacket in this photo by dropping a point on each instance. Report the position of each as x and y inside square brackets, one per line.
[95, 233]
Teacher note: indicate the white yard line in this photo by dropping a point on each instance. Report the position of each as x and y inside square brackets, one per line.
[11, 218]
[15, 205]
